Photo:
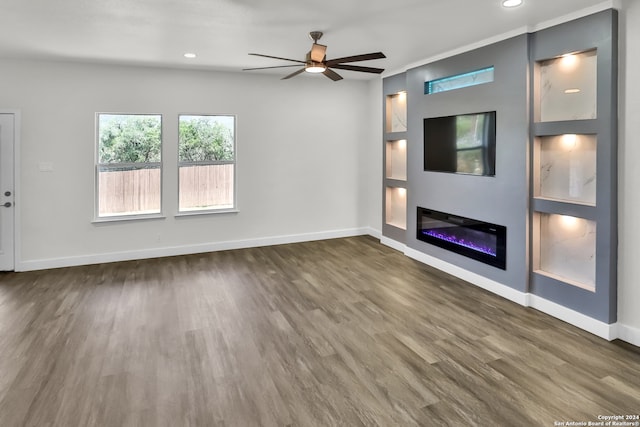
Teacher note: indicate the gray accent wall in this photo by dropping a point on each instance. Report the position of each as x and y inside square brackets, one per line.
[501, 199]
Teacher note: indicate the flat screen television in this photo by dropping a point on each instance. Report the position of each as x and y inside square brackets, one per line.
[464, 143]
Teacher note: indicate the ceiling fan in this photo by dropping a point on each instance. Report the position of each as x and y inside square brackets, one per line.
[316, 61]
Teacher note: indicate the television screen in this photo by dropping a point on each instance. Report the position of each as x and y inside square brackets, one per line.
[461, 144]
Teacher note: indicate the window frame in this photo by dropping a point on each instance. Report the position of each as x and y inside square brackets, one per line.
[98, 166]
[234, 162]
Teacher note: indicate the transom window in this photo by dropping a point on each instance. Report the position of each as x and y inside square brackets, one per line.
[459, 81]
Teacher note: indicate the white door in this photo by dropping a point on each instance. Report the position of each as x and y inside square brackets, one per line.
[7, 211]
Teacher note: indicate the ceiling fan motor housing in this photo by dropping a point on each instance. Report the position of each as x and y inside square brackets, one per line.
[315, 36]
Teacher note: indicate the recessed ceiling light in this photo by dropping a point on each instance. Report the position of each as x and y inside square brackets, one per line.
[568, 91]
[190, 55]
[511, 3]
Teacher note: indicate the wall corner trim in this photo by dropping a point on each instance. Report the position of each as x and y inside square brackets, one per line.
[373, 233]
[628, 334]
[393, 244]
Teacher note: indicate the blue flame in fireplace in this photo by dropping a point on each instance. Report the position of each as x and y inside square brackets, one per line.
[442, 235]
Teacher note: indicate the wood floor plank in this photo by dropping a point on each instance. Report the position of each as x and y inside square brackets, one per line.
[343, 332]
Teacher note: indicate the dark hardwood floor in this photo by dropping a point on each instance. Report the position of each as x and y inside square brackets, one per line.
[340, 332]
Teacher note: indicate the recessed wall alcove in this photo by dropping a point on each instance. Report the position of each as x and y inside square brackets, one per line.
[574, 164]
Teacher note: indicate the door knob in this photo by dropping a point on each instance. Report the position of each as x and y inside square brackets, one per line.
[7, 205]
[7, 193]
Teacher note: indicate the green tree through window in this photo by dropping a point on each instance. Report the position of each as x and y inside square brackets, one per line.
[205, 139]
[129, 138]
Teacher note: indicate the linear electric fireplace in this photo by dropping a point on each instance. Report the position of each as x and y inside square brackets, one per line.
[475, 239]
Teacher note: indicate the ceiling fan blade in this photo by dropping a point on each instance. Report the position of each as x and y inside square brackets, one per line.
[332, 75]
[276, 57]
[301, 70]
[317, 52]
[358, 68]
[356, 58]
[266, 68]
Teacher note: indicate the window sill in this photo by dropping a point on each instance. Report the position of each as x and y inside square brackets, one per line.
[206, 212]
[109, 219]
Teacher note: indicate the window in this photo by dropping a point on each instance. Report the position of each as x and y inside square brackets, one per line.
[128, 164]
[459, 81]
[206, 161]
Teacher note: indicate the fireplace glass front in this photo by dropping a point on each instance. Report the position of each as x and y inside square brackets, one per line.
[482, 241]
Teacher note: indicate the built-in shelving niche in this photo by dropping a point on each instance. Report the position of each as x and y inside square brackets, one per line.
[573, 165]
[396, 207]
[395, 158]
[567, 87]
[565, 249]
[396, 112]
[565, 168]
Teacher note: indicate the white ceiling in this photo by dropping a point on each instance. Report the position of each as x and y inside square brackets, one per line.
[223, 32]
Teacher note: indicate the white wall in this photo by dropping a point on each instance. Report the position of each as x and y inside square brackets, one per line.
[370, 163]
[629, 178]
[298, 151]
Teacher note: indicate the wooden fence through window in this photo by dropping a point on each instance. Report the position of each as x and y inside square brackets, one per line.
[209, 186]
[138, 191]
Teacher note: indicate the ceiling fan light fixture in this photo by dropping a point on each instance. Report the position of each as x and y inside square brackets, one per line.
[315, 67]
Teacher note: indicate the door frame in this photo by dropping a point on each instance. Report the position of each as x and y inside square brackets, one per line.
[17, 199]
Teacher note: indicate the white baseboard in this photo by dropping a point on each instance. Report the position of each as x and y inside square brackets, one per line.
[629, 334]
[393, 244]
[596, 327]
[72, 261]
[480, 281]
[373, 232]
